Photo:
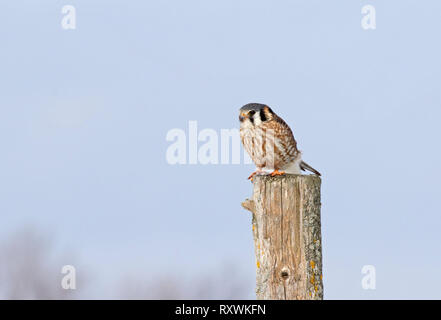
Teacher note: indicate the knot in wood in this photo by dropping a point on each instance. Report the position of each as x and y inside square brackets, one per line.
[284, 274]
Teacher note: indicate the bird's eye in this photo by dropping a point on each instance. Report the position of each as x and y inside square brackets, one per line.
[251, 113]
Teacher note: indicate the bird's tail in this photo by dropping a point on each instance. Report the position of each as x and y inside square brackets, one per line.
[304, 166]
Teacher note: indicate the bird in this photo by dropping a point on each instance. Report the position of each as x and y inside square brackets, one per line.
[270, 142]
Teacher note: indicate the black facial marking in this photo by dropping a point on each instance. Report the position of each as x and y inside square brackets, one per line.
[250, 116]
[262, 115]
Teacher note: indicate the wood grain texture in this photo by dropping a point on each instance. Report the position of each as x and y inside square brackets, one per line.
[287, 237]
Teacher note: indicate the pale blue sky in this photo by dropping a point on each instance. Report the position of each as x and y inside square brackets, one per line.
[84, 114]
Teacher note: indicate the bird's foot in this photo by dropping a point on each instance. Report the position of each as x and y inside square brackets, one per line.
[252, 175]
[277, 173]
[257, 172]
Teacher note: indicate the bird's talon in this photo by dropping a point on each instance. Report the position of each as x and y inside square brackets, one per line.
[277, 173]
[252, 175]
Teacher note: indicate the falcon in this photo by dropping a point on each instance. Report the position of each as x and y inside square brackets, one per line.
[270, 142]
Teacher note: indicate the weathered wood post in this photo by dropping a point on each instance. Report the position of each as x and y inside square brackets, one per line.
[287, 236]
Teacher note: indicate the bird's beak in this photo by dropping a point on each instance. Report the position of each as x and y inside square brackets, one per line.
[242, 117]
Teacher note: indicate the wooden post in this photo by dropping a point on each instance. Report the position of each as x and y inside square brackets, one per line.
[287, 237]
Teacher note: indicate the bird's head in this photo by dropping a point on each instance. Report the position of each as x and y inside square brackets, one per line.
[255, 114]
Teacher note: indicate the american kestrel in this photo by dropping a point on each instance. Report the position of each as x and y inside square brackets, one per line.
[269, 142]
